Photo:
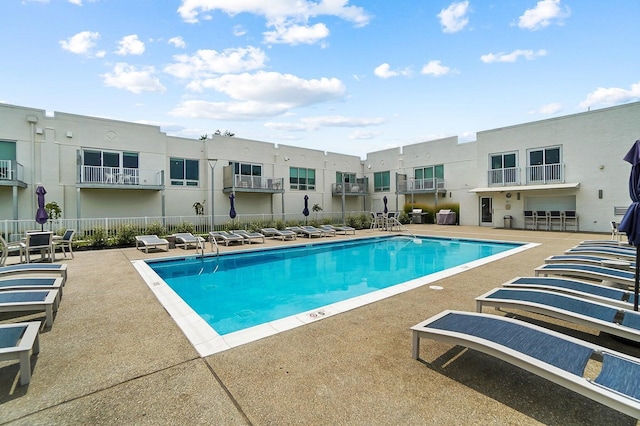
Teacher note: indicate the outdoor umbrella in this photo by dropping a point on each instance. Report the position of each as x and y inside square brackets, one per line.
[41, 214]
[630, 223]
[232, 212]
[384, 199]
[305, 211]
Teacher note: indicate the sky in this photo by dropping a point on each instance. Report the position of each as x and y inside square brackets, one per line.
[341, 76]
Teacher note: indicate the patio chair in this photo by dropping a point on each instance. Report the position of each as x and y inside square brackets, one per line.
[42, 242]
[585, 259]
[19, 341]
[248, 236]
[591, 291]
[343, 229]
[30, 300]
[151, 241]
[529, 219]
[542, 218]
[7, 248]
[33, 283]
[225, 237]
[556, 357]
[555, 218]
[577, 310]
[65, 241]
[591, 272]
[35, 268]
[279, 233]
[571, 219]
[615, 233]
[187, 240]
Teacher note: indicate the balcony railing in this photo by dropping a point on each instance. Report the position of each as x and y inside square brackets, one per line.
[119, 176]
[349, 188]
[11, 170]
[421, 185]
[257, 182]
[546, 173]
[503, 177]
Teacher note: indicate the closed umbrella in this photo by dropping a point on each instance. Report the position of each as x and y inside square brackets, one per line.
[232, 212]
[630, 223]
[305, 211]
[384, 200]
[41, 213]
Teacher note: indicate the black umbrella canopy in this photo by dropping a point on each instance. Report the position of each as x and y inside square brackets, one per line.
[41, 213]
[630, 223]
[305, 211]
[232, 212]
[384, 199]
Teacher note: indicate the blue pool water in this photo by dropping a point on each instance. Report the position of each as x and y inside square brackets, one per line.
[237, 291]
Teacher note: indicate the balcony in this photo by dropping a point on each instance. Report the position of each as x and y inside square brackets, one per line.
[350, 189]
[545, 173]
[119, 178]
[421, 186]
[504, 177]
[246, 183]
[11, 173]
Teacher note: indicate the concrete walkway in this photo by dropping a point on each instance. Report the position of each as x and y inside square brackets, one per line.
[114, 356]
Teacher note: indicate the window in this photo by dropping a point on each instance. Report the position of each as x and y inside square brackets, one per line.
[424, 176]
[184, 172]
[110, 158]
[348, 177]
[381, 181]
[503, 168]
[545, 165]
[302, 179]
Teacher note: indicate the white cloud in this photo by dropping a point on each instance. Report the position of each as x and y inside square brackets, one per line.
[76, 2]
[314, 123]
[612, 96]
[454, 18]
[178, 42]
[548, 109]
[543, 14]
[129, 77]
[289, 18]
[81, 43]
[130, 45]
[239, 30]
[435, 68]
[296, 34]
[205, 63]
[363, 135]
[385, 71]
[513, 56]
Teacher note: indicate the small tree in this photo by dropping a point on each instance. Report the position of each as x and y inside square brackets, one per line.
[199, 208]
[316, 208]
[53, 210]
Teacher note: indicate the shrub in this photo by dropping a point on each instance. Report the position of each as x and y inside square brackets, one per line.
[156, 228]
[184, 227]
[97, 237]
[126, 235]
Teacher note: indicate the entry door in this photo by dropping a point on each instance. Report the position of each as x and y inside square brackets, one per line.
[486, 211]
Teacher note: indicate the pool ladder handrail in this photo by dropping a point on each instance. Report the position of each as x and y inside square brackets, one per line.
[213, 242]
[392, 221]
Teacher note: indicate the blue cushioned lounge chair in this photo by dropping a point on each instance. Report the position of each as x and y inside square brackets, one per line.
[32, 283]
[53, 269]
[556, 357]
[613, 252]
[599, 293]
[586, 259]
[30, 300]
[604, 317]
[19, 341]
[591, 272]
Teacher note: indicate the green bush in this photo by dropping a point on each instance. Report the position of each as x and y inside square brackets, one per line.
[156, 228]
[98, 237]
[126, 235]
[184, 227]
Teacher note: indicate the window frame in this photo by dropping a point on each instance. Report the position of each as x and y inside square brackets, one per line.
[186, 176]
[379, 181]
[309, 183]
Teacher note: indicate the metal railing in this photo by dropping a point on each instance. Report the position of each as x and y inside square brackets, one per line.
[119, 176]
[349, 188]
[258, 182]
[416, 185]
[546, 173]
[11, 170]
[502, 177]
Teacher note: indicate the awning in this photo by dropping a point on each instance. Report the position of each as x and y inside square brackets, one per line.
[522, 188]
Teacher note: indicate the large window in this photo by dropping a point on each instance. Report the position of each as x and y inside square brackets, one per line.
[381, 181]
[348, 177]
[545, 164]
[184, 172]
[247, 169]
[302, 179]
[503, 168]
[424, 176]
[110, 158]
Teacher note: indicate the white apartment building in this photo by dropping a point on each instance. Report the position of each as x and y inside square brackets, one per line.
[94, 167]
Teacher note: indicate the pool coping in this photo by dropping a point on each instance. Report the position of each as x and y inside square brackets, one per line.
[207, 341]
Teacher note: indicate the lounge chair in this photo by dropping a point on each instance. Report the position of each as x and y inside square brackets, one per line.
[19, 341]
[30, 300]
[282, 234]
[591, 272]
[248, 236]
[606, 243]
[343, 229]
[323, 232]
[65, 241]
[188, 240]
[599, 293]
[224, 236]
[33, 283]
[621, 253]
[604, 317]
[6, 248]
[52, 269]
[305, 232]
[556, 357]
[151, 241]
[586, 259]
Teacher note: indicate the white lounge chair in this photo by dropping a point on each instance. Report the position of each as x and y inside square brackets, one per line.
[323, 232]
[248, 236]
[556, 357]
[33, 283]
[226, 237]
[591, 272]
[7, 248]
[305, 232]
[53, 269]
[600, 316]
[282, 234]
[343, 229]
[30, 300]
[188, 240]
[19, 341]
[151, 241]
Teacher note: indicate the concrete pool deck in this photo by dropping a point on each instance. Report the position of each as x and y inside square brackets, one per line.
[115, 356]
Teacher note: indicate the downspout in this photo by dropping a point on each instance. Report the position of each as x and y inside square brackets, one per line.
[32, 119]
[212, 167]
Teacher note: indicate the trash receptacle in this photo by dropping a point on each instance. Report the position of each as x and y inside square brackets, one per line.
[507, 221]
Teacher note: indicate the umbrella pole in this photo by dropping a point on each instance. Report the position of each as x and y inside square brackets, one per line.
[637, 285]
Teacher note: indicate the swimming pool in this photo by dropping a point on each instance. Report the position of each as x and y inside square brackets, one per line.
[235, 298]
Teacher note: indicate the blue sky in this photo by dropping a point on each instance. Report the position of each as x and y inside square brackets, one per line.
[335, 75]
